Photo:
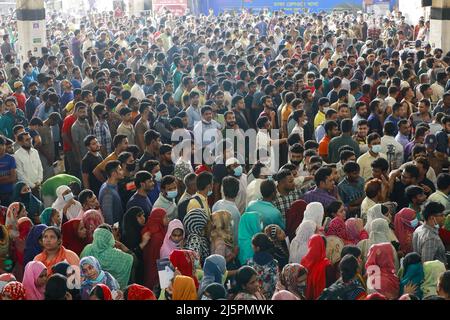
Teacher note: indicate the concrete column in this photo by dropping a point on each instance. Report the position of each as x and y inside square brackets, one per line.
[31, 28]
[136, 6]
[440, 24]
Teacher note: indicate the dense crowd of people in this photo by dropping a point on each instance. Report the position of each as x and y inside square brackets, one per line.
[239, 156]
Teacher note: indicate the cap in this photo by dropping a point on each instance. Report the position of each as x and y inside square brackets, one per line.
[369, 42]
[231, 161]
[124, 111]
[431, 141]
[18, 84]
[360, 59]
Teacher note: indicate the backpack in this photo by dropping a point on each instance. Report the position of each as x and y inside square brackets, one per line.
[337, 291]
[182, 206]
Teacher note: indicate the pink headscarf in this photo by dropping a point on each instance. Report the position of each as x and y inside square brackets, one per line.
[353, 233]
[337, 228]
[403, 229]
[33, 270]
[381, 256]
[168, 245]
[91, 220]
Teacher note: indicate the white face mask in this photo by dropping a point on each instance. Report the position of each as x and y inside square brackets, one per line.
[68, 197]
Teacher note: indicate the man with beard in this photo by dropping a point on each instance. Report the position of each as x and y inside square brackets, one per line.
[89, 162]
[416, 198]
[79, 130]
[11, 118]
[162, 124]
[29, 166]
[238, 106]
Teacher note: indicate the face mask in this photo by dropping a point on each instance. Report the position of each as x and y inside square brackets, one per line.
[210, 193]
[112, 96]
[436, 225]
[376, 148]
[68, 197]
[414, 223]
[131, 167]
[204, 297]
[238, 171]
[158, 176]
[25, 195]
[270, 178]
[172, 194]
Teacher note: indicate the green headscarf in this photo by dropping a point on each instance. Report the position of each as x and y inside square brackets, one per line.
[447, 223]
[116, 262]
[46, 217]
[432, 271]
[249, 225]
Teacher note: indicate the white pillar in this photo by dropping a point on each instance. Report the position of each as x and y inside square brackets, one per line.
[440, 24]
[136, 6]
[31, 28]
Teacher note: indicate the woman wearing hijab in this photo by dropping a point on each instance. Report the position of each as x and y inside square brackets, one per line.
[133, 222]
[412, 273]
[249, 225]
[24, 226]
[16, 210]
[74, 235]
[53, 250]
[314, 212]
[195, 223]
[156, 226]
[100, 292]
[293, 279]
[186, 262]
[380, 233]
[112, 260]
[174, 238]
[22, 193]
[222, 238]
[183, 288]
[294, 216]
[91, 220]
[280, 248]
[380, 211]
[320, 271]
[32, 243]
[5, 248]
[405, 223]
[67, 207]
[336, 226]
[299, 246]
[34, 280]
[381, 276]
[138, 292]
[264, 264]
[50, 217]
[6, 278]
[214, 271]
[14, 290]
[248, 286]
[92, 274]
[214, 291]
[355, 230]
[432, 271]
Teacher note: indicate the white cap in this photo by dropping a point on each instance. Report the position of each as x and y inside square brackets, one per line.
[231, 161]
[360, 59]
[237, 45]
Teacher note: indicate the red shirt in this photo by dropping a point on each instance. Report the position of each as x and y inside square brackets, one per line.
[66, 128]
[21, 99]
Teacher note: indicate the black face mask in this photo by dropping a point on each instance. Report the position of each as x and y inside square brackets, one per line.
[25, 196]
[131, 167]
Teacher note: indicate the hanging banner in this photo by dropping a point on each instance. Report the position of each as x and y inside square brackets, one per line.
[287, 6]
[177, 7]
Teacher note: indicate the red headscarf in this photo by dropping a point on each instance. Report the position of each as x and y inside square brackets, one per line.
[294, 216]
[14, 290]
[383, 275]
[355, 235]
[138, 292]
[403, 229]
[91, 220]
[337, 228]
[184, 261]
[24, 226]
[316, 263]
[158, 231]
[107, 295]
[70, 237]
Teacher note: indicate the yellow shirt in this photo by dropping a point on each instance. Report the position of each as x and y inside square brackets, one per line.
[319, 118]
[194, 204]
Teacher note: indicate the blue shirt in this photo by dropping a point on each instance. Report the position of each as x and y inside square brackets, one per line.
[30, 106]
[391, 118]
[110, 203]
[66, 98]
[193, 116]
[267, 211]
[375, 125]
[154, 194]
[26, 80]
[143, 202]
[7, 163]
[350, 191]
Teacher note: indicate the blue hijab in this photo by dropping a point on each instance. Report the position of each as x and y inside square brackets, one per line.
[32, 245]
[94, 263]
[214, 269]
[414, 274]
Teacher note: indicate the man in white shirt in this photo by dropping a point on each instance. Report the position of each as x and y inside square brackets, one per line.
[438, 87]
[136, 90]
[326, 58]
[389, 139]
[29, 166]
